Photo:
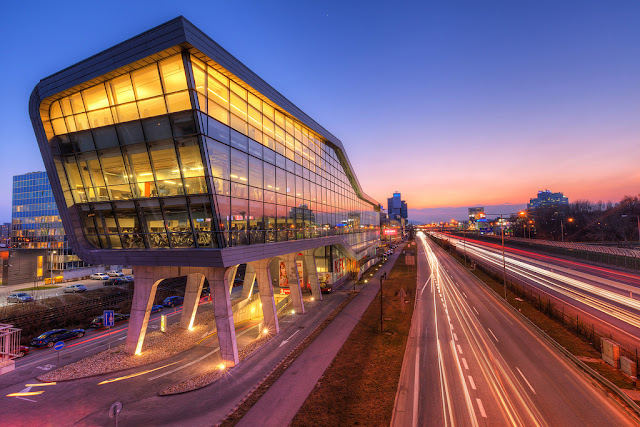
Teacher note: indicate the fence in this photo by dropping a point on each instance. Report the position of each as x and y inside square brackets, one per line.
[545, 305]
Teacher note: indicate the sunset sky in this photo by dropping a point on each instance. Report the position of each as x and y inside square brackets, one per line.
[452, 103]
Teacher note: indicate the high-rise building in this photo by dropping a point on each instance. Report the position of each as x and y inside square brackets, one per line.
[39, 248]
[166, 152]
[547, 198]
[396, 207]
[5, 230]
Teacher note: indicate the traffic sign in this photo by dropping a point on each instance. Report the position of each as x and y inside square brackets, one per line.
[115, 409]
[59, 345]
[108, 318]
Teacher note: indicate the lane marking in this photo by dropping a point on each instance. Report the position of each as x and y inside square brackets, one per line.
[24, 398]
[474, 309]
[455, 337]
[464, 362]
[473, 384]
[288, 339]
[525, 380]
[481, 408]
[494, 335]
[465, 295]
[459, 349]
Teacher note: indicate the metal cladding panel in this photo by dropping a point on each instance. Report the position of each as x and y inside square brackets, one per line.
[178, 33]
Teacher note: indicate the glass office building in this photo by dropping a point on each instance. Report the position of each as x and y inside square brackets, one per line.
[176, 150]
[36, 223]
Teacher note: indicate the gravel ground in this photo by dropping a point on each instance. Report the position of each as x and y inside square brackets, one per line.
[157, 346]
[212, 376]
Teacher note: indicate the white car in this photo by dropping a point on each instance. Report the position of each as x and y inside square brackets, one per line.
[99, 276]
[115, 273]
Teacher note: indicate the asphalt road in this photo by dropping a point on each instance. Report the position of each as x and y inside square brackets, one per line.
[471, 361]
[86, 402]
[607, 299]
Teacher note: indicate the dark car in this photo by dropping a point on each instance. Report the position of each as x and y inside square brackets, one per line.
[23, 351]
[117, 318]
[326, 289]
[172, 301]
[156, 308]
[48, 339]
[127, 279]
[205, 292]
[114, 281]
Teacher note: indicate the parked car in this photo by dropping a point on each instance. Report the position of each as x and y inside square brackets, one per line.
[117, 318]
[156, 308]
[326, 289]
[127, 279]
[115, 273]
[48, 339]
[205, 292]
[19, 297]
[113, 281]
[75, 288]
[99, 276]
[23, 351]
[172, 301]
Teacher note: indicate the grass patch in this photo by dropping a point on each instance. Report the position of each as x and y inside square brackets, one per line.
[359, 387]
[39, 288]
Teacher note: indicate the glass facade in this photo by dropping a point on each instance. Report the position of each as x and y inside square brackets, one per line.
[155, 158]
[35, 221]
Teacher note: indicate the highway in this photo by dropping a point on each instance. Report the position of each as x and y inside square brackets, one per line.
[472, 361]
[606, 298]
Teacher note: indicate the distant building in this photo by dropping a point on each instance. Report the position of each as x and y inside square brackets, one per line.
[547, 198]
[396, 207]
[38, 245]
[4, 234]
[477, 219]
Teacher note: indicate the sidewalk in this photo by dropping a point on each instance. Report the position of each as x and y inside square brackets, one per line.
[283, 400]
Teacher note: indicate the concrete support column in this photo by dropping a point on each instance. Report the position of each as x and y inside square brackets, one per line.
[265, 289]
[249, 279]
[294, 282]
[192, 292]
[144, 293]
[230, 276]
[223, 314]
[312, 274]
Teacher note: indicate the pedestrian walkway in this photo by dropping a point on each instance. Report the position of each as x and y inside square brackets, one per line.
[283, 400]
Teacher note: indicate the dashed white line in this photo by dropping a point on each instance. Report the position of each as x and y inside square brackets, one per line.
[525, 380]
[465, 295]
[474, 309]
[459, 349]
[494, 335]
[455, 337]
[473, 384]
[481, 408]
[464, 362]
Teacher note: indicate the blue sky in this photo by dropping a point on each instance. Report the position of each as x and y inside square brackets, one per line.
[453, 103]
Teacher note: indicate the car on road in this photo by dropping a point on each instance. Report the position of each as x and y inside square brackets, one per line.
[115, 273]
[99, 276]
[75, 288]
[172, 301]
[156, 308]
[19, 297]
[127, 279]
[48, 339]
[23, 351]
[326, 289]
[113, 281]
[97, 323]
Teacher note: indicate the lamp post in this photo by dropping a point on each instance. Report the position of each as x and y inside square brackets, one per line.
[504, 260]
[638, 218]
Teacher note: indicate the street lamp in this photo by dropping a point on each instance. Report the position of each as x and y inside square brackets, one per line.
[638, 218]
[504, 260]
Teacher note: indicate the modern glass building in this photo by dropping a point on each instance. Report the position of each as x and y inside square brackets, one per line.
[173, 145]
[37, 239]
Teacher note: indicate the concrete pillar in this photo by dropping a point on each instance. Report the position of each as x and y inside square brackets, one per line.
[230, 276]
[192, 292]
[294, 282]
[223, 314]
[144, 293]
[312, 274]
[265, 288]
[249, 279]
